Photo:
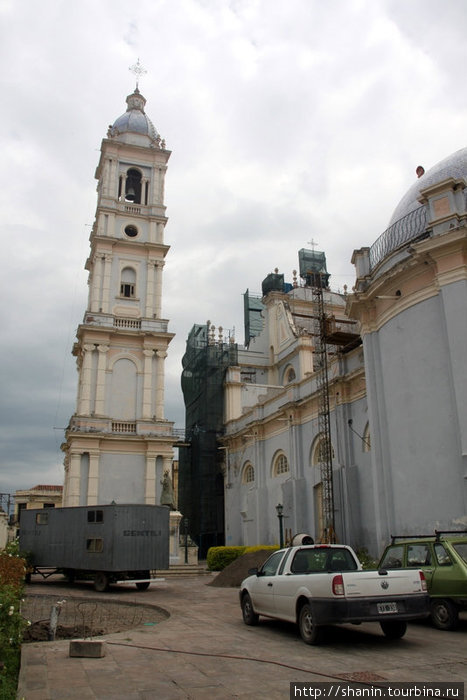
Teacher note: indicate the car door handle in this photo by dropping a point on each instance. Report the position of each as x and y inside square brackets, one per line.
[269, 584]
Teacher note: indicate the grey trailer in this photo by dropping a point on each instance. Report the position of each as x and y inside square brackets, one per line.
[111, 543]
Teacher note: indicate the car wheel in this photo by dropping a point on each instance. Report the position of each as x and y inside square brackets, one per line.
[101, 582]
[249, 615]
[394, 629]
[309, 631]
[444, 614]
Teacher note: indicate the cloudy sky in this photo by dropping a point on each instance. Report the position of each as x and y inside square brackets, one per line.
[287, 121]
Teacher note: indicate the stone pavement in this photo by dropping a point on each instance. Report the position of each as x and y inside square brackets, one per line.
[204, 650]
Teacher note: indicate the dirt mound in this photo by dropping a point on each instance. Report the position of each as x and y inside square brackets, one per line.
[40, 632]
[234, 573]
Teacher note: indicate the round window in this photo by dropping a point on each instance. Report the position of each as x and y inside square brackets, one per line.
[131, 231]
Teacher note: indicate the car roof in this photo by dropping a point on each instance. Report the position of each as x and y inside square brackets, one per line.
[457, 536]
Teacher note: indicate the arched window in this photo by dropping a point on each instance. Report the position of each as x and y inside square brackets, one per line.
[319, 451]
[289, 375]
[128, 283]
[280, 464]
[248, 473]
[133, 186]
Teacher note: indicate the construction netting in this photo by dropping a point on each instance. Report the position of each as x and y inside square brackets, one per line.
[201, 485]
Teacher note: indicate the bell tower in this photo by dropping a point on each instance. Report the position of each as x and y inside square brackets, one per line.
[118, 443]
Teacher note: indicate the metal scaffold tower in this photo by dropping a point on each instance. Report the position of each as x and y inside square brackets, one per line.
[328, 534]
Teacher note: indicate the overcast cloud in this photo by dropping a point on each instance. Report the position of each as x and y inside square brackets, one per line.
[287, 121]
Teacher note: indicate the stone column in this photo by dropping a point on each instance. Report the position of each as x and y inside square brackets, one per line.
[160, 232]
[150, 491]
[147, 384]
[150, 287]
[85, 381]
[74, 478]
[154, 194]
[106, 283]
[158, 292]
[159, 408]
[96, 283]
[93, 479]
[144, 181]
[99, 407]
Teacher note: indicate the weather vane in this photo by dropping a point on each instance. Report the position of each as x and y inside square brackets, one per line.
[138, 71]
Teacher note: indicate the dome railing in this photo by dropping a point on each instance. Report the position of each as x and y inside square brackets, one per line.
[411, 226]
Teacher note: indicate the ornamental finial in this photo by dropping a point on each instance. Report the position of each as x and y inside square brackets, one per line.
[138, 71]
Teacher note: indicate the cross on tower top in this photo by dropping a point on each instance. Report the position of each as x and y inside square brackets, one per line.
[313, 244]
[137, 71]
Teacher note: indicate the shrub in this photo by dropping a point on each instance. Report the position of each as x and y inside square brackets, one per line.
[12, 571]
[261, 547]
[220, 557]
[366, 559]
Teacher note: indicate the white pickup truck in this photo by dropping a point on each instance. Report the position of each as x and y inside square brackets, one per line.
[317, 585]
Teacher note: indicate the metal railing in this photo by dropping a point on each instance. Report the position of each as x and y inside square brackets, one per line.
[407, 229]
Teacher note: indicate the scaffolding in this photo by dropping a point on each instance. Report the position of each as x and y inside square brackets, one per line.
[201, 481]
[312, 265]
[324, 421]
[329, 332]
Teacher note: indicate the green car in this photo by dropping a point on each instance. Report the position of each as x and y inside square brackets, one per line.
[443, 559]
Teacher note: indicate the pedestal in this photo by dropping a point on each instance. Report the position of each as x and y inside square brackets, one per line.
[174, 528]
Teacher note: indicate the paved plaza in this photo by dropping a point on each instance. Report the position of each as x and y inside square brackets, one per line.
[204, 650]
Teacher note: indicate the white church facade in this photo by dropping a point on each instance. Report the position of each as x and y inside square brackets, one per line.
[119, 445]
[397, 401]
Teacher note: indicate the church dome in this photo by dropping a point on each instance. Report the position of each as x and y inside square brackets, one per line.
[454, 166]
[134, 123]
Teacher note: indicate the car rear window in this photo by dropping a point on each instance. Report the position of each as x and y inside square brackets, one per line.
[418, 555]
[310, 561]
[393, 558]
[461, 549]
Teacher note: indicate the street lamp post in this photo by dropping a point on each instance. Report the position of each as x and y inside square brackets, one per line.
[279, 509]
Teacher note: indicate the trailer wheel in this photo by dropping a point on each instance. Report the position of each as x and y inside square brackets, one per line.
[101, 582]
[70, 575]
[142, 585]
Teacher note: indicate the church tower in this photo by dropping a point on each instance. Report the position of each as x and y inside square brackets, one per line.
[118, 443]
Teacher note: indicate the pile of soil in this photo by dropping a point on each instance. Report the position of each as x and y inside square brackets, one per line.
[40, 632]
[234, 573]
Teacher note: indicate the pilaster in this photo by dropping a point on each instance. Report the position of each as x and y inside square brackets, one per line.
[100, 383]
[84, 407]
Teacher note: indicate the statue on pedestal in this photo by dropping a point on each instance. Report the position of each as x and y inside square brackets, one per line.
[167, 495]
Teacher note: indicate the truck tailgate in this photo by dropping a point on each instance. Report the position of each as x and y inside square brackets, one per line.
[395, 582]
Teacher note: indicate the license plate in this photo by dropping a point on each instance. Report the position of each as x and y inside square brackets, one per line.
[384, 608]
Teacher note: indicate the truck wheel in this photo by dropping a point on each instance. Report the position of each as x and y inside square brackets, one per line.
[444, 614]
[394, 629]
[69, 575]
[101, 582]
[249, 615]
[309, 631]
